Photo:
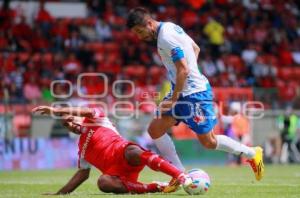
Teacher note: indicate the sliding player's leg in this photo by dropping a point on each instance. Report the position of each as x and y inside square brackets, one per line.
[120, 185]
[137, 156]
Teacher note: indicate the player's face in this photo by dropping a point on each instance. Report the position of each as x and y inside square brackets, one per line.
[144, 33]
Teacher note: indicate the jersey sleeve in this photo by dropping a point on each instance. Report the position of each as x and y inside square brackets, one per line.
[83, 164]
[173, 47]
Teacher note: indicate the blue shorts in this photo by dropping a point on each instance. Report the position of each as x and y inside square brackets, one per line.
[196, 111]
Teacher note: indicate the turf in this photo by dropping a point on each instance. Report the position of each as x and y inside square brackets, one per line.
[279, 182]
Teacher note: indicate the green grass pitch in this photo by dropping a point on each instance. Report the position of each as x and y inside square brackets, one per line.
[232, 182]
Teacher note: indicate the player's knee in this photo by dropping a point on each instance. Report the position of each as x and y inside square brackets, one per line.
[151, 129]
[110, 184]
[132, 155]
[209, 143]
[155, 131]
[105, 184]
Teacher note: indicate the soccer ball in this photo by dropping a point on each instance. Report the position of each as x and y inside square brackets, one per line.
[201, 182]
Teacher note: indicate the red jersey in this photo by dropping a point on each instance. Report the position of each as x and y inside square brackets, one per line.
[97, 141]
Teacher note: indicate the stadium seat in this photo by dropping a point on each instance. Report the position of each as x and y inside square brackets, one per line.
[285, 73]
[23, 56]
[95, 46]
[90, 21]
[48, 58]
[112, 47]
[98, 57]
[155, 73]
[36, 57]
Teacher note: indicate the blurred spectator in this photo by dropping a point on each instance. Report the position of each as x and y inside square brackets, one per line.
[39, 42]
[103, 31]
[289, 124]
[72, 65]
[46, 92]
[74, 42]
[214, 30]
[21, 123]
[60, 33]
[237, 126]
[44, 18]
[6, 16]
[32, 92]
[287, 92]
[249, 54]
[21, 30]
[17, 85]
[212, 67]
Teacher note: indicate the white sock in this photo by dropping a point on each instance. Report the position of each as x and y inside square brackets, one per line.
[229, 145]
[167, 150]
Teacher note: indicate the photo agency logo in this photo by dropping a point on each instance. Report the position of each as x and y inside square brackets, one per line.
[125, 106]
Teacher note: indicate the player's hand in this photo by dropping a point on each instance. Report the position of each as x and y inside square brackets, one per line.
[44, 110]
[166, 105]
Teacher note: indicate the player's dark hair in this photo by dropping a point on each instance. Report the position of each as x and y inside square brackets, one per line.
[137, 16]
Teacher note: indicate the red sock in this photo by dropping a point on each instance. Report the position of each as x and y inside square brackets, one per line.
[139, 188]
[157, 163]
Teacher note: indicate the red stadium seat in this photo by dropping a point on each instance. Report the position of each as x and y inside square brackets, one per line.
[78, 21]
[118, 36]
[90, 21]
[296, 74]
[155, 73]
[119, 21]
[36, 57]
[66, 21]
[135, 70]
[285, 73]
[96, 46]
[99, 56]
[234, 61]
[112, 47]
[48, 58]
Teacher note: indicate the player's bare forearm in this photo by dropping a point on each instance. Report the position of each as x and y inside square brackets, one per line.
[181, 76]
[62, 111]
[79, 177]
[75, 111]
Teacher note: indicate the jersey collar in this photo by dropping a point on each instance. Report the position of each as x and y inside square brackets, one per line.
[159, 27]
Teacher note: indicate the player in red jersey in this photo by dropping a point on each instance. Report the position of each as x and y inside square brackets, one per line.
[119, 160]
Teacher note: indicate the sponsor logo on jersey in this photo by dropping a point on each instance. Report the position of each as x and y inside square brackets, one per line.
[87, 141]
[199, 115]
[178, 29]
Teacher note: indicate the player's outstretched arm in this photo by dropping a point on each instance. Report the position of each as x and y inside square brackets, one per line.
[62, 111]
[80, 176]
[181, 76]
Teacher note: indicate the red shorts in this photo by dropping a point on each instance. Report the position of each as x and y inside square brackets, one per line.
[119, 165]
